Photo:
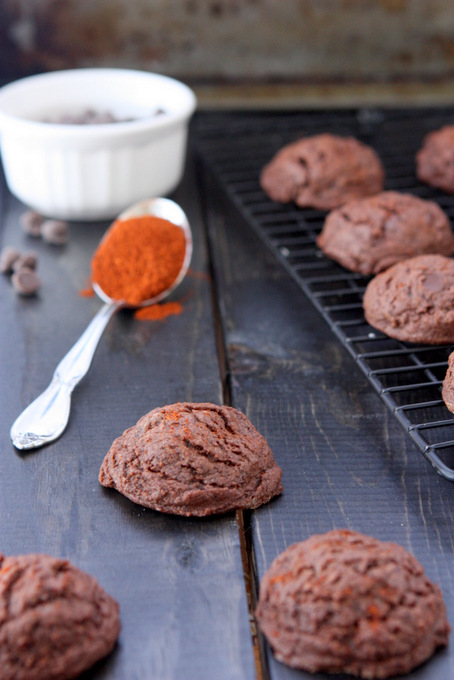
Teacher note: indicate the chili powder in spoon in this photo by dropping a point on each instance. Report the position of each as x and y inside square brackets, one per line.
[138, 258]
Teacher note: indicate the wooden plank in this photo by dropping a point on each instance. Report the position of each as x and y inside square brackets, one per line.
[346, 461]
[178, 581]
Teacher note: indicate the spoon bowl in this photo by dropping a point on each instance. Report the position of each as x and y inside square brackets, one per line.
[45, 419]
[166, 210]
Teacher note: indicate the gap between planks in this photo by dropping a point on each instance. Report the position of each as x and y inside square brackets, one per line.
[243, 517]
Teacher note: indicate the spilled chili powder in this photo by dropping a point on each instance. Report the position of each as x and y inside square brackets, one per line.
[158, 311]
[138, 258]
[87, 292]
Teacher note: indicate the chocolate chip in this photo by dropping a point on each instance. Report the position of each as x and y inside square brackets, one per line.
[93, 117]
[433, 282]
[30, 222]
[28, 260]
[26, 281]
[8, 257]
[54, 231]
[99, 118]
[87, 117]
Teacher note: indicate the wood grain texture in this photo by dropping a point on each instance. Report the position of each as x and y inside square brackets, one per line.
[346, 461]
[178, 581]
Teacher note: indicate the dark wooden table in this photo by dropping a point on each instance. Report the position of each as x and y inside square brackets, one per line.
[247, 336]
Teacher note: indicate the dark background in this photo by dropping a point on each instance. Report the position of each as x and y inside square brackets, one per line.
[268, 52]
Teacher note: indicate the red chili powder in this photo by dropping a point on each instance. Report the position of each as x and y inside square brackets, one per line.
[87, 292]
[158, 311]
[138, 258]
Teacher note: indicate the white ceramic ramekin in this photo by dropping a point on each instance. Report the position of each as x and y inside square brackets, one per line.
[93, 172]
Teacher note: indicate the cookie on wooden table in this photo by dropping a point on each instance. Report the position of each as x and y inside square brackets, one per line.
[435, 159]
[55, 620]
[413, 300]
[193, 459]
[369, 235]
[343, 602]
[323, 172]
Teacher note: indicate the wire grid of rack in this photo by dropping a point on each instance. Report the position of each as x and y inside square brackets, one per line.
[235, 146]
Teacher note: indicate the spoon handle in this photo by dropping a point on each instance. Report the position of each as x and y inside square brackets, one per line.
[47, 416]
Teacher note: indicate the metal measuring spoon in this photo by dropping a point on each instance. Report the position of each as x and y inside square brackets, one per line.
[46, 417]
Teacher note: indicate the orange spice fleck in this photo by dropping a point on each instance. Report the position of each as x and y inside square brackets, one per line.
[373, 611]
[87, 292]
[193, 274]
[281, 577]
[158, 311]
[172, 415]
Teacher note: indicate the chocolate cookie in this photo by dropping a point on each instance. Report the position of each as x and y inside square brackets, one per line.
[413, 300]
[55, 620]
[343, 602]
[324, 172]
[447, 391]
[435, 159]
[193, 459]
[371, 234]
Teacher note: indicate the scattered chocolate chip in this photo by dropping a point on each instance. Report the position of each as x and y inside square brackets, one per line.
[54, 231]
[8, 257]
[30, 222]
[28, 260]
[26, 281]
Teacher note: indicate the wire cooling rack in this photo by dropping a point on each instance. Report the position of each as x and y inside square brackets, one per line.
[234, 147]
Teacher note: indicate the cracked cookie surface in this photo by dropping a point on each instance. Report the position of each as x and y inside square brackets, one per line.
[192, 459]
[413, 300]
[55, 620]
[343, 602]
[371, 234]
[323, 171]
